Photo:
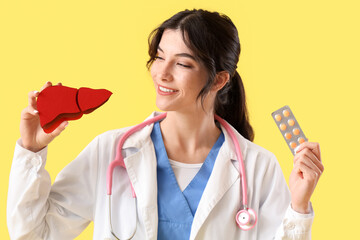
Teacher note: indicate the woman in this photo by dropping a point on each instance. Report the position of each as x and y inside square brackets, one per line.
[183, 169]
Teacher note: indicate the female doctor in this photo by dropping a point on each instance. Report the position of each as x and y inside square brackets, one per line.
[183, 168]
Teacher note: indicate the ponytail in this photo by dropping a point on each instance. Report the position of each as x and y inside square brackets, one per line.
[230, 104]
[213, 39]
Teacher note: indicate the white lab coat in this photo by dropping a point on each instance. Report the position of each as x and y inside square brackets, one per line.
[37, 210]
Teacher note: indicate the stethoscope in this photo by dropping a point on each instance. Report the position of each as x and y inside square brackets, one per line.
[246, 218]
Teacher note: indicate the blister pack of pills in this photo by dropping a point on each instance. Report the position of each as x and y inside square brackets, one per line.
[289, 127]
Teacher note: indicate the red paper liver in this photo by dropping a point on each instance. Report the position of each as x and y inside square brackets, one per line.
[60, 103]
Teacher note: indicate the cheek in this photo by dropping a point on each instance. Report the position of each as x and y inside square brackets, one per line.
[153, 70]
[196, 81]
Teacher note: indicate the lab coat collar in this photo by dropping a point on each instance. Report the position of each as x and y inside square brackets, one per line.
[137, 139]
[141, 167]
[229, 146]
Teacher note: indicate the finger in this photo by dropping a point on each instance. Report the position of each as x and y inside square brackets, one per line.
[47, 84]
[307, 172]
[312, 156]
[310, 161]
[313, 146]
[307, 153]
[59, 129]
[29, 110]
[59, 84]
[32, 99]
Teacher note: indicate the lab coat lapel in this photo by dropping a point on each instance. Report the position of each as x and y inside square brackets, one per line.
[223, 176]
[141, 168]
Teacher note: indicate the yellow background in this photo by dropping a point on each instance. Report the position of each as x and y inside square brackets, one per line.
[301, 53]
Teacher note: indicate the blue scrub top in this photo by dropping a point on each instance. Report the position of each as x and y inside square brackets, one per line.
[176, 209]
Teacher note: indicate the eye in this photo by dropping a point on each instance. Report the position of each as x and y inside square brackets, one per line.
[183, 65]
[157, 57]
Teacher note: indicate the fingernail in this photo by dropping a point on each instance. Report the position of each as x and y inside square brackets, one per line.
[67, 123]
[296, 149]
[36, 111]
[48, 82]
[36, 92]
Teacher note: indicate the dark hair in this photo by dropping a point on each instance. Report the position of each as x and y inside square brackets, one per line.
[214, 40]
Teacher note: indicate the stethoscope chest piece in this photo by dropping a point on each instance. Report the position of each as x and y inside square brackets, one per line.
[246, 219]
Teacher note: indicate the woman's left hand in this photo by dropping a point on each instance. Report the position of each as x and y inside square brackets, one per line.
[305, 175]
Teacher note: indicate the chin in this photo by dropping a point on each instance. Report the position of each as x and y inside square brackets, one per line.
[175, 106]
[164, 107]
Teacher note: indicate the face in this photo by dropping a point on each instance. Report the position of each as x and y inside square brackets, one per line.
[177, 76]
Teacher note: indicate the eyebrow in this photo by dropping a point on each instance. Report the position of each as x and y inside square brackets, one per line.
[180, 54]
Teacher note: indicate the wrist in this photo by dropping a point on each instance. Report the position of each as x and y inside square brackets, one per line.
[301, 208]
[30, 147]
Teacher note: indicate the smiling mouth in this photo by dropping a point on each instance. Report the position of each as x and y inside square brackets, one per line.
[166, 91]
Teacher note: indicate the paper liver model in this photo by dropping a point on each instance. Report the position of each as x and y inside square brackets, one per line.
[59, 103]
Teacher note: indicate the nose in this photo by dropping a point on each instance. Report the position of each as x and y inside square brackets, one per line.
[165, 71]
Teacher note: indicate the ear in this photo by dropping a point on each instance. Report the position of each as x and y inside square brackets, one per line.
[221, 79]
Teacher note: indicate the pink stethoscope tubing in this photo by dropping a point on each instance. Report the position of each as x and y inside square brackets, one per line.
[246, 218]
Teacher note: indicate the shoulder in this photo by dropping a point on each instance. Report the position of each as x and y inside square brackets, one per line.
[263, 171]
[135, 139]
[257, 157]
[255, 150]
[112, 134]
[250, 151]
[262, 165]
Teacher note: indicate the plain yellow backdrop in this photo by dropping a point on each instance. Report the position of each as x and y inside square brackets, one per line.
[301, 53]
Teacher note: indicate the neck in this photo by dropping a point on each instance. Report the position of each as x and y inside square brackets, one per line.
[189, 135]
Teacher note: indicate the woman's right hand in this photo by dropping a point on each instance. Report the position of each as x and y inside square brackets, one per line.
[33, 136]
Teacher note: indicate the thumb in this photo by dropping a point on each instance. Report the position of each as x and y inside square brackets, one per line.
[59, 129]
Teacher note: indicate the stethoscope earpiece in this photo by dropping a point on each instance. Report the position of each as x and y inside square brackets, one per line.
[246, 219]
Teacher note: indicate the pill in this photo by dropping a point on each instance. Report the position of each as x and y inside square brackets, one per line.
[291, 122]
[293, 145]
[278, 117]
[289, 127]
[301, 140]
[288, 135]
[296, 131]
[286, 113]
[283, 127]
